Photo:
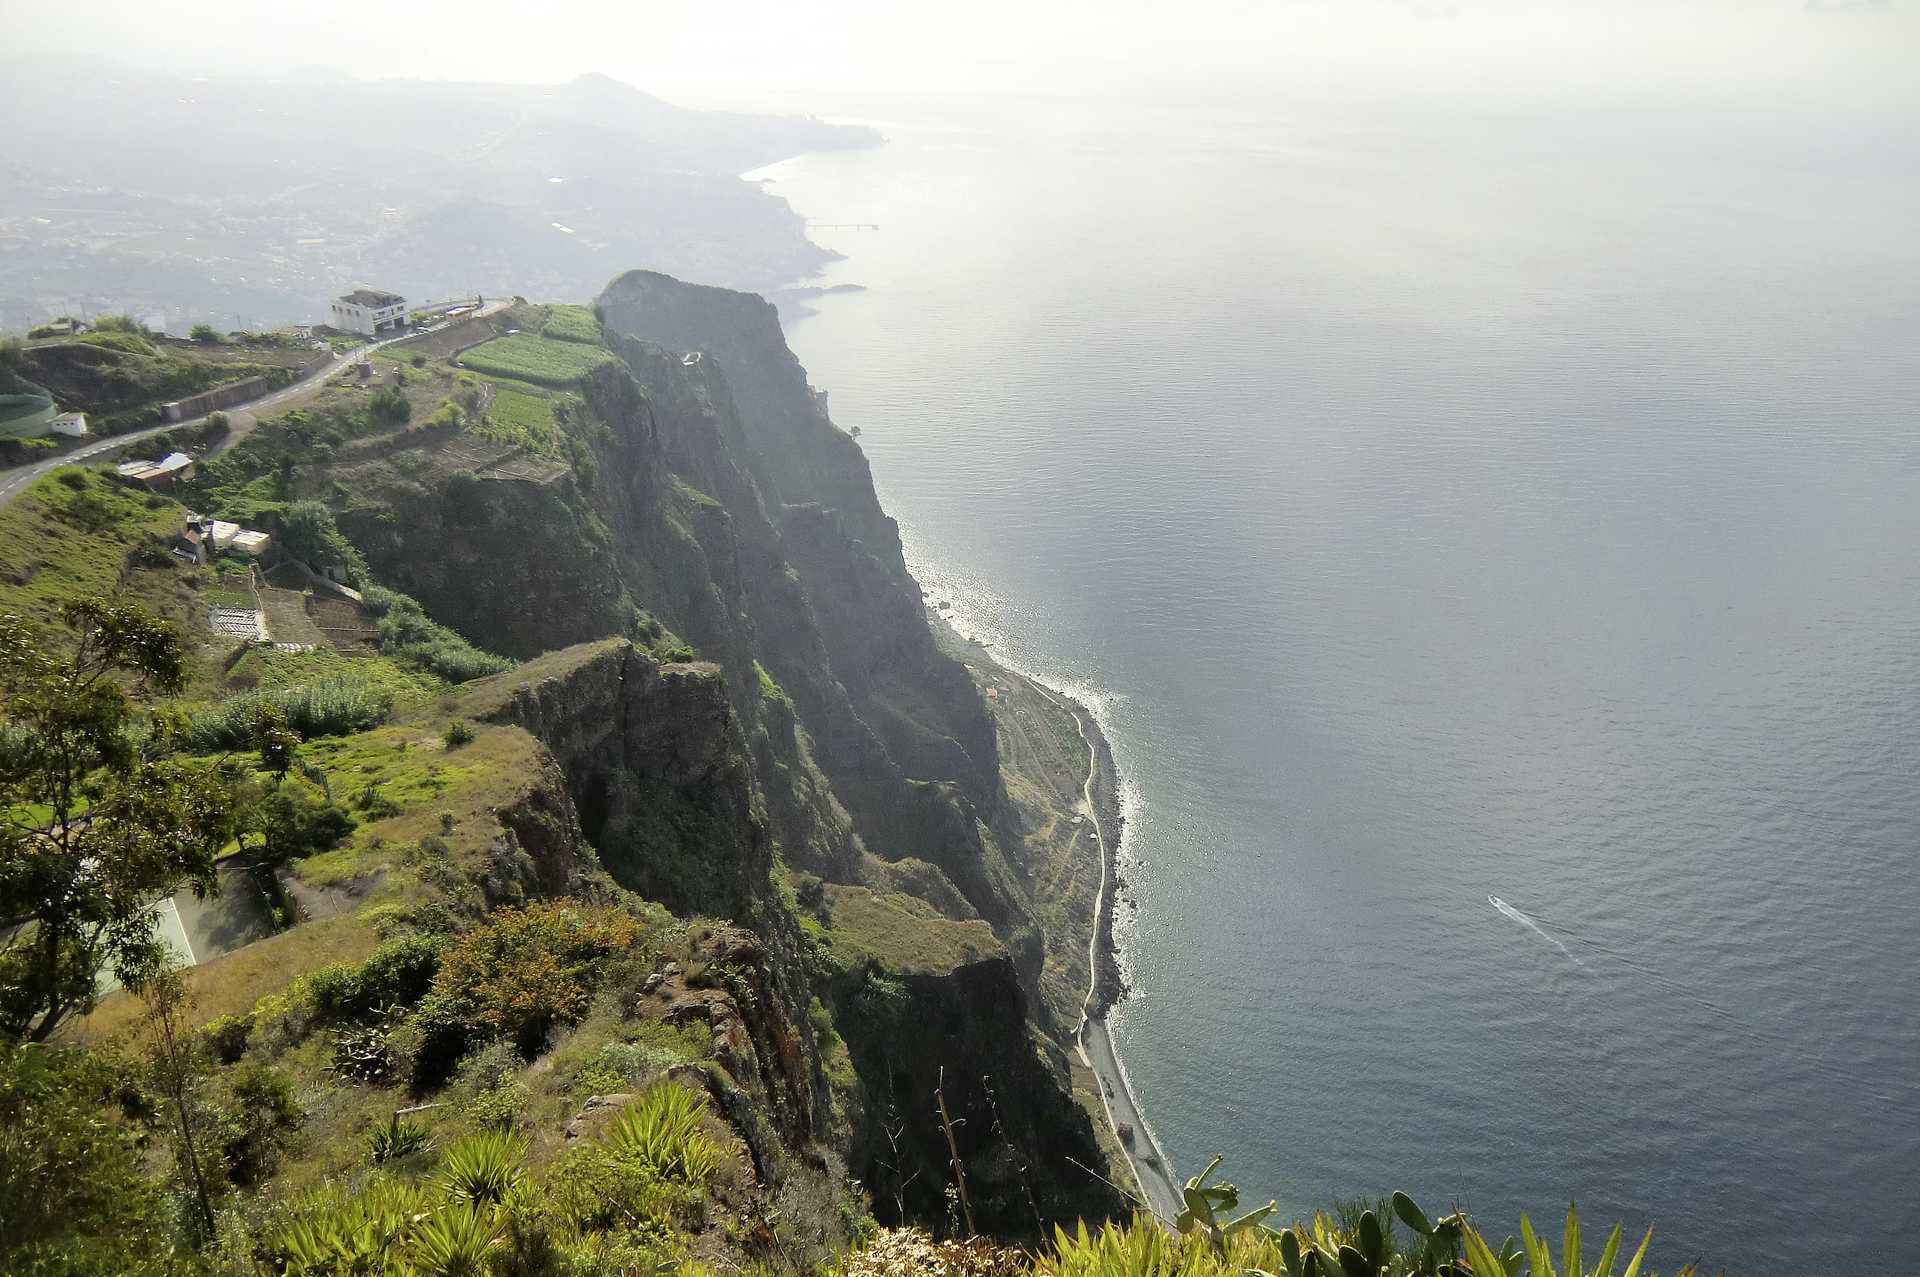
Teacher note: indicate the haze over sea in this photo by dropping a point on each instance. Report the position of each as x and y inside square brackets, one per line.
[1445, 504]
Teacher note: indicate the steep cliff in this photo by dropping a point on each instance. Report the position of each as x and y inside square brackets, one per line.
[843, 548]
[739, 698]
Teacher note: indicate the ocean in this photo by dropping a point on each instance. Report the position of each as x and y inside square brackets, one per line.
[1490, 534]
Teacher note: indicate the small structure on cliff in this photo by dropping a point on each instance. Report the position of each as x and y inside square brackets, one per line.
[163, 473]
[370, 312]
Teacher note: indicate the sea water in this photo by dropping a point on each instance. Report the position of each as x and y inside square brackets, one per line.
[1492, 538]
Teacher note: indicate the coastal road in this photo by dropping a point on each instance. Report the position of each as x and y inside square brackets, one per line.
[1151, 1170]
[19, 480]
[1100, 797]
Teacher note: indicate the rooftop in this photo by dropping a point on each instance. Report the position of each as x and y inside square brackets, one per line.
[372, 297]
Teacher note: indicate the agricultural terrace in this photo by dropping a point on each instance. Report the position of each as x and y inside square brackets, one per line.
[573, 323]
[537, 359]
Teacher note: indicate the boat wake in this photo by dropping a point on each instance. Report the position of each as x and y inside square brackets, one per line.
[1534, 927]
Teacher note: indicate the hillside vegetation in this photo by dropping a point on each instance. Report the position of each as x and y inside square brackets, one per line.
[652, 888]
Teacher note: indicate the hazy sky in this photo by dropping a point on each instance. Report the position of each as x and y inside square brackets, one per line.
[767, 52]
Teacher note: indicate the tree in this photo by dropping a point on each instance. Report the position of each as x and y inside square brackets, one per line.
[308, 532]
[98, 822]
[72, 1194]
[176, 1065]
[388, 407]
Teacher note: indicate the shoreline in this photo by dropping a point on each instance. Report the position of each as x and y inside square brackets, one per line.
[1153, 1173]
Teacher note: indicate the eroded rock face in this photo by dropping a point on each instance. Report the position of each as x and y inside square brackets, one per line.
[821, 724]
[815, 486]
[656, 767]
[965, 1033]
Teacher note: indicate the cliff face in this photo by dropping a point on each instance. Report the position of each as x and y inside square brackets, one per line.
[753, 694]
[843, 549]
[655, 764]
[1017, 1135]
[656, 767]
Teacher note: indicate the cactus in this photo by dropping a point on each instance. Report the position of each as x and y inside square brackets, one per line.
[1205, 1203]
[1364, 1246]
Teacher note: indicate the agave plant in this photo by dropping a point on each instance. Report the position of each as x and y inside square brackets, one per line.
[397, 1139]
[662, 1132]
[1540, 1258]
[338, 1234]
[481, 1169]
[1205, 1204]
[457, 1240]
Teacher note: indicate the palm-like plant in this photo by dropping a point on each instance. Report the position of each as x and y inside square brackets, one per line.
[456, 1241]
[481, 1169]
[662, 1132]
[339, 1234]
[397, 1139]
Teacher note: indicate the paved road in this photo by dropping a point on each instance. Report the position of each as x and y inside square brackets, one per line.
[1151, 1170]
[1159, 1183]
[14, 482]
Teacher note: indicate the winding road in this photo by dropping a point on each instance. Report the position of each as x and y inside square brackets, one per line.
[14, 482]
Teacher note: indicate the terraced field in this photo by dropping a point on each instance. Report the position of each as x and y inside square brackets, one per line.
[540, 360]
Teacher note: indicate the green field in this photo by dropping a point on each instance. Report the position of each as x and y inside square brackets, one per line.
[270, 669]
[573, 323]
[540, 360]
[522, 420]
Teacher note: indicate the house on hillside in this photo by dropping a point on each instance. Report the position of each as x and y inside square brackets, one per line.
[372, 312]
[163, 473]
[71, 424]
[203, 538]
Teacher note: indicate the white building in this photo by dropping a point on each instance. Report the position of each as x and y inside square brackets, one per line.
[231, 536]
[371, 311]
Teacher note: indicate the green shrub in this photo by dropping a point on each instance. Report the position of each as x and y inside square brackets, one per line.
[487, 1086]
[525, 970]
[388, 407]
[308, 532]
[398, 973]
[294, 820]
[408, 636]
[260, 1122]
[332, 707]
[226, 1037]
[73, 1198]
[459, 732]
[612, 1066]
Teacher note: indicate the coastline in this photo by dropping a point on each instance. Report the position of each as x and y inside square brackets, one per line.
[1156, 1183]
[1153, 1172]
